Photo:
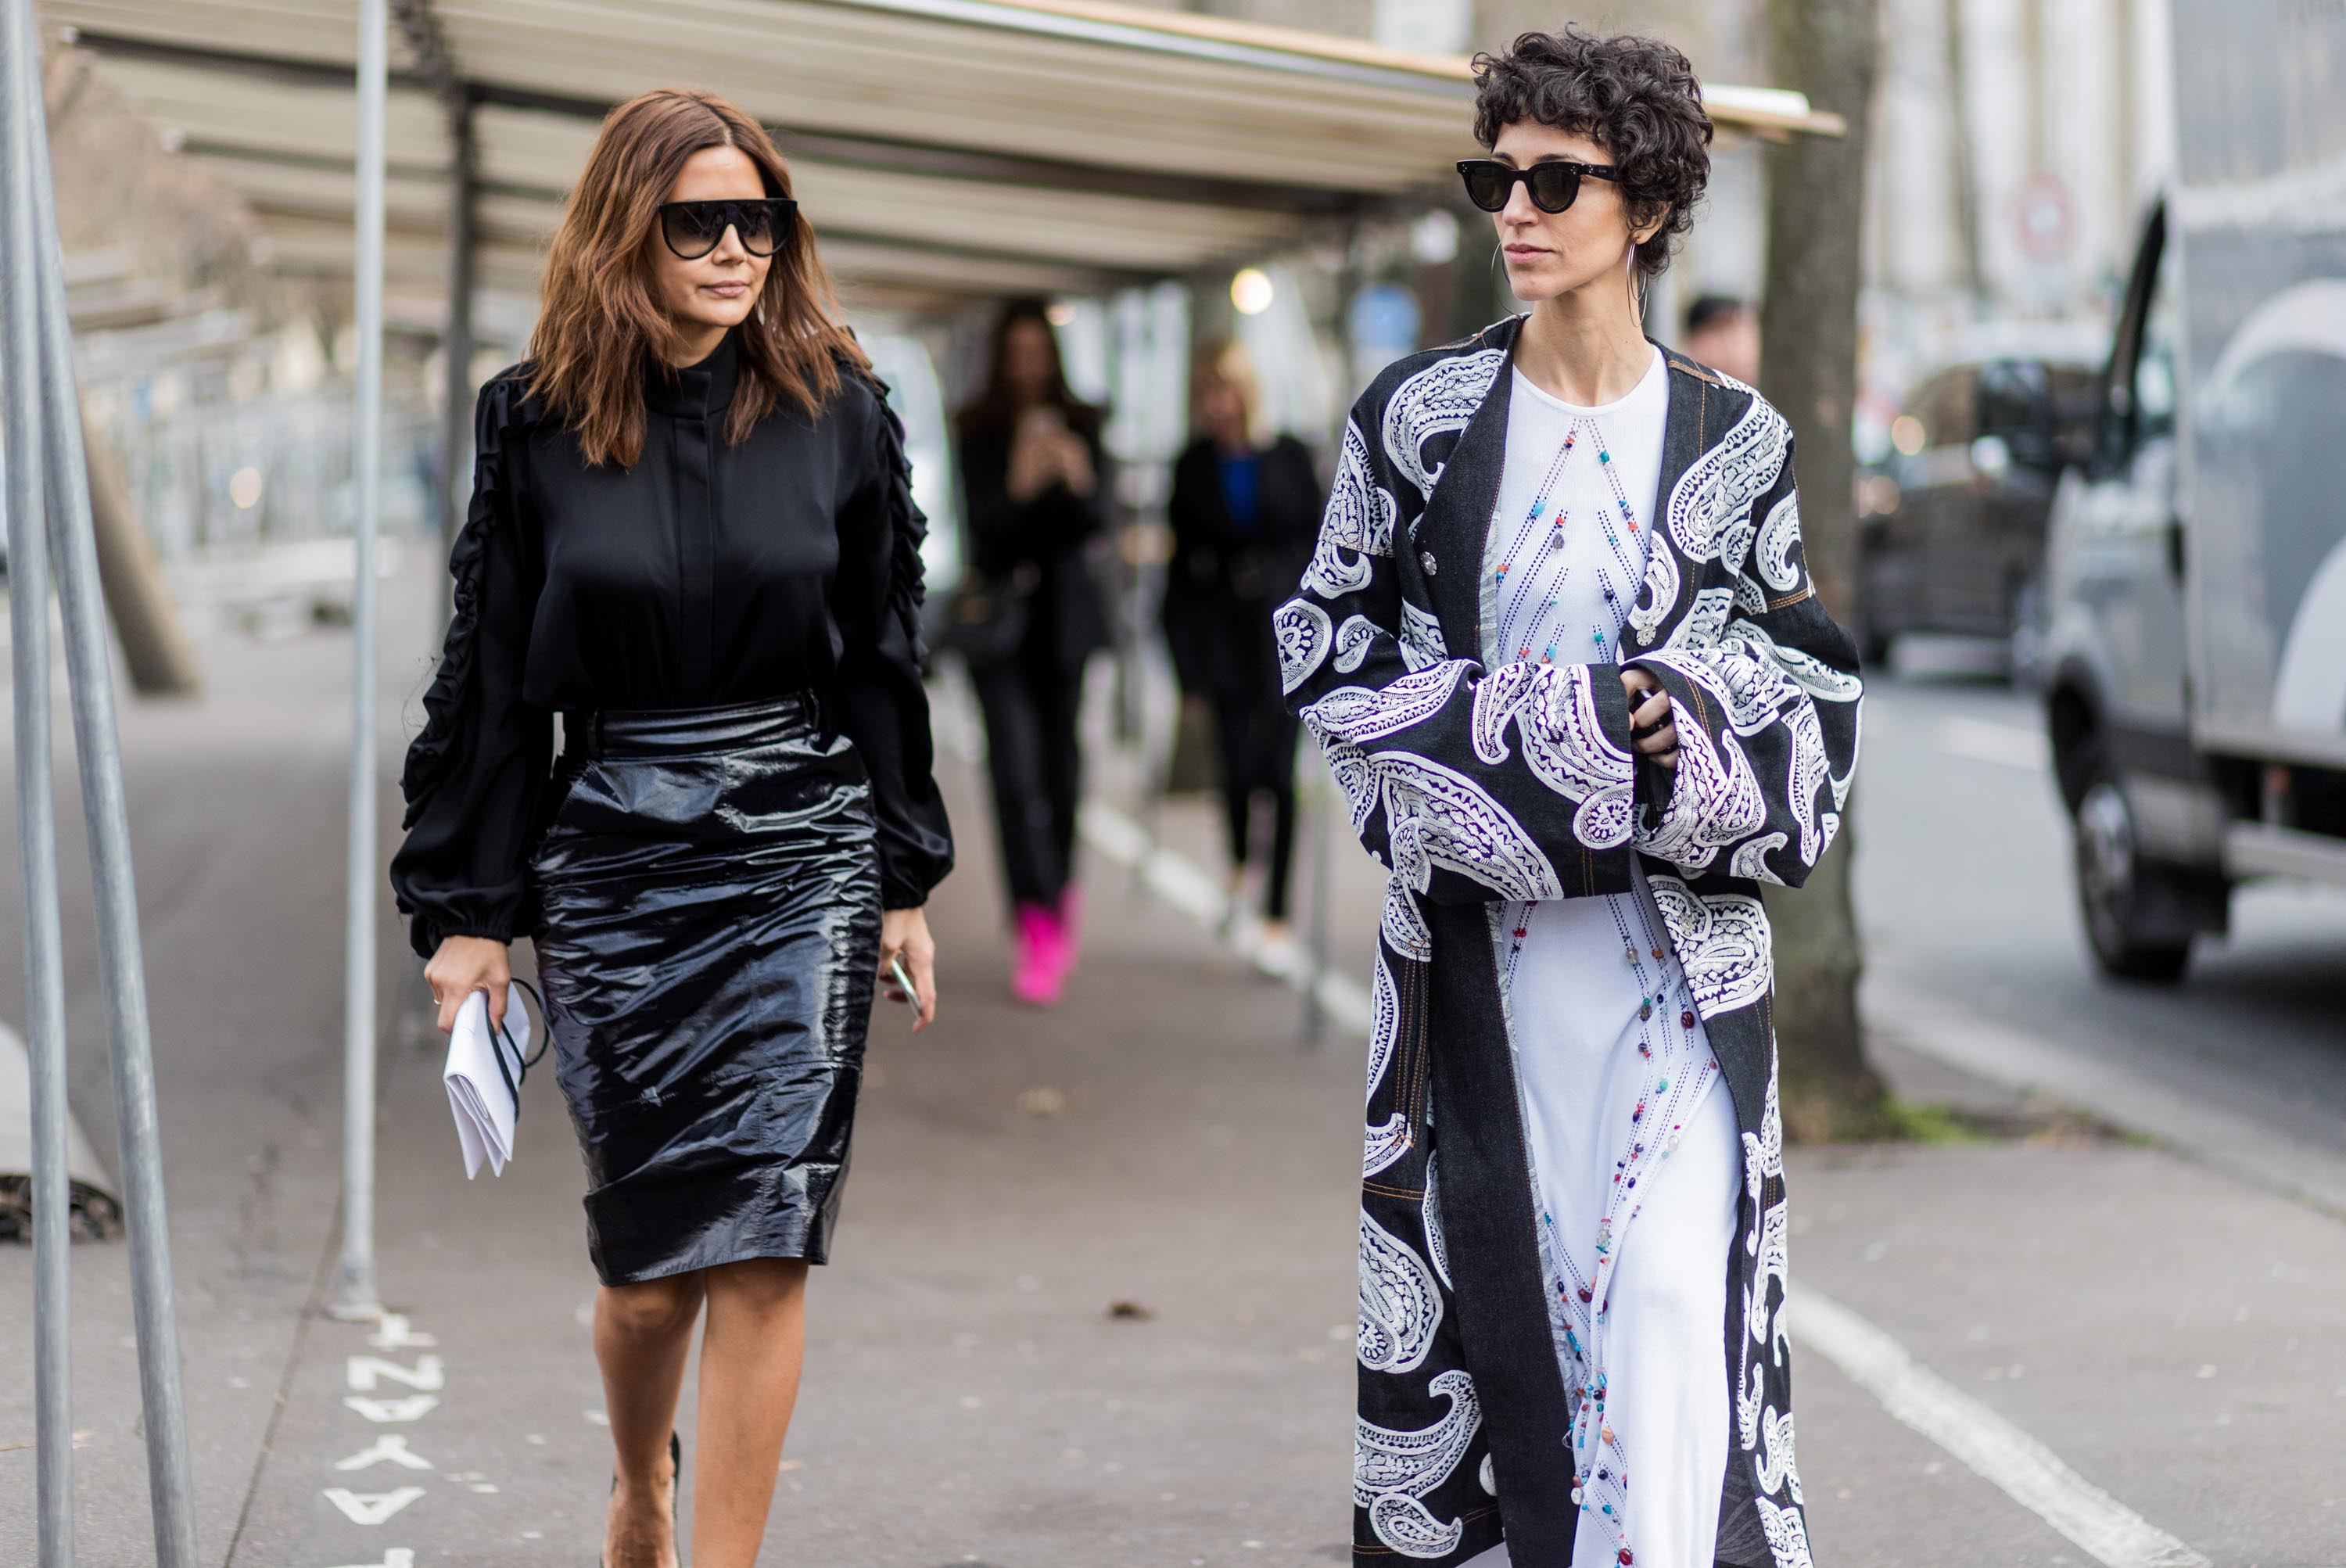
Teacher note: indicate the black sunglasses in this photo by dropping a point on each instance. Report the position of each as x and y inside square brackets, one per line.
[693, 229]
[1489, 183]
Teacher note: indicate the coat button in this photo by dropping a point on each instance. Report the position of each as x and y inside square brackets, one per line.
[1425, 559]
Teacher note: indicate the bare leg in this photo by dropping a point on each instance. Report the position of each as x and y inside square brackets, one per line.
[750, 1360]
[642, 1334]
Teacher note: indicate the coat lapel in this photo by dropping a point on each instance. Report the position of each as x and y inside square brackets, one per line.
[1456, 521]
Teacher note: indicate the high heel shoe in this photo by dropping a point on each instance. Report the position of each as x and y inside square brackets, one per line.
[675, 1479]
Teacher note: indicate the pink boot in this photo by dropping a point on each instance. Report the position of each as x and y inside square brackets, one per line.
[1036, 976]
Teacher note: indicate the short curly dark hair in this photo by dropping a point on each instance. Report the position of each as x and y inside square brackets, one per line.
[1636, 97]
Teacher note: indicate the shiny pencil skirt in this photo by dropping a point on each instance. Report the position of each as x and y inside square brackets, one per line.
[708, 926]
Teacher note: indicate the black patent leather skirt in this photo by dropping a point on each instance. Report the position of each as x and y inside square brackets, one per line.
[708, 925]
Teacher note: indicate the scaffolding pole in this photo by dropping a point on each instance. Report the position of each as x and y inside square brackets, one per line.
[36, 837]
[355, 1297]
[40, 391]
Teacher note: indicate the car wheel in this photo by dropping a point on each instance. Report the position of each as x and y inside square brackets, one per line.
[2115, 889]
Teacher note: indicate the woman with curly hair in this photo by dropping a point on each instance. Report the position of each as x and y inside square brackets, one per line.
[1561, 648]
[693, 537]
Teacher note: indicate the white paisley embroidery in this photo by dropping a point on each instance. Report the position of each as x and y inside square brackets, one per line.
[1359, 714]
[1401, 1305]
[1415, 1463]
[1722, 939]
[1420, 637]
[1553, 711]
[1704, 619]
[1788, 1536]
[1300, 629]
[1360, 514]
[1355, 638]
[1402, 1524]
[1403, 925]
[1750, 860]
[1715, 799]
[1709, 513]
[1659, 596]
[1384, 1145]
[1437, 1246]
[1440, 398]
[1337, 569]
[1436, 818]
[1779, 535]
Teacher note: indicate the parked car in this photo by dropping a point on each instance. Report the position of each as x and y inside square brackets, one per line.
[2197, 697]
[1951, 525]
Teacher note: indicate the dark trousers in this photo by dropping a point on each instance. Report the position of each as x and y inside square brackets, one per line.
[1031, 704]
[1257, 736]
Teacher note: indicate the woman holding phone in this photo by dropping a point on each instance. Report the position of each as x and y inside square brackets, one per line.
[1035, 492]
[692, 536]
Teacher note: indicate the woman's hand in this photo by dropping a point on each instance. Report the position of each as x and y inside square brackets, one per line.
[463, 964]
[904, 933]
[1649, 706]
[1075, 464]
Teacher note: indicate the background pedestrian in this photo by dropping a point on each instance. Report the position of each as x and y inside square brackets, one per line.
[1035, 489]
[1244, 511]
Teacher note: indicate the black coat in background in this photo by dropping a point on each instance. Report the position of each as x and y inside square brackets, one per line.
[1032, 699]
[1066, 622]
[1222, 584]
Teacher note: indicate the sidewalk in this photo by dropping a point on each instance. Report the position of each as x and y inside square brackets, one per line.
[977, 1389]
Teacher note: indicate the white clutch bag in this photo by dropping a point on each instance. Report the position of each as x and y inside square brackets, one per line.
[483, 1077]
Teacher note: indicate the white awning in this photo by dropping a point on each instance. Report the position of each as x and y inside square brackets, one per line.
[942, 148]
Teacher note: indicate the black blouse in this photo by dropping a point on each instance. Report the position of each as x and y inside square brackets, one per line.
[704, 575]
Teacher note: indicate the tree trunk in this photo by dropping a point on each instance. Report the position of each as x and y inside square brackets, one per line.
[1816, 195]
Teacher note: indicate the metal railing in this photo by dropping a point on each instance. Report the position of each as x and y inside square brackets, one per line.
[49, 513]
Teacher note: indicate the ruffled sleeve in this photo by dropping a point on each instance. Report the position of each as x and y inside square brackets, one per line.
[880, 703]
[474, 774]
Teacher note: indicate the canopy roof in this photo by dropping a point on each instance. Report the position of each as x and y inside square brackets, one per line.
[942, 148]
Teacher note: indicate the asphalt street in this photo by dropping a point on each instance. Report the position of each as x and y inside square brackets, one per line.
[1092, 1299]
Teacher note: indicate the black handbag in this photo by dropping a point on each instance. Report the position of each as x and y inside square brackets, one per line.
[987, 621]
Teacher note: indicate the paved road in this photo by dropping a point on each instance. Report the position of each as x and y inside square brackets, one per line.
[1965, 897]
[972, 1396]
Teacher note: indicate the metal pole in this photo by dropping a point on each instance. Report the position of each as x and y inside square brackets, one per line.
[356, 1298]
[36, 839]
[121, 971]
[456, 341]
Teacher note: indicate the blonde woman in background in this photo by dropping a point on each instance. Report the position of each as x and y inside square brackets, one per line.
[1244, 510]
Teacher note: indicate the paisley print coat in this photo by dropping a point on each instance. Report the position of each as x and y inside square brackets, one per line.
[1476, 782]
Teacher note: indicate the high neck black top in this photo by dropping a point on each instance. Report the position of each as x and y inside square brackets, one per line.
[704, 575]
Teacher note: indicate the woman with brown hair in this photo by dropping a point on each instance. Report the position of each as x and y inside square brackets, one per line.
[1035, 484]
[691, 535]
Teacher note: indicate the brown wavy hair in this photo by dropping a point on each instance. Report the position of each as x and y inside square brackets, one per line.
[601, 328]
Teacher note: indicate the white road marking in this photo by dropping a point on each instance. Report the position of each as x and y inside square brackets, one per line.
[2024, 1469]
[2005, 744]
[371, 1508]
[391, 1448]
[395, 1557]
[393, 1334]
[363, 1372]
[415, 1407]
